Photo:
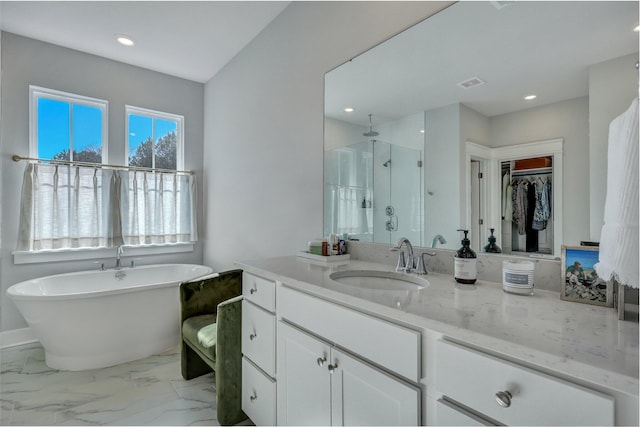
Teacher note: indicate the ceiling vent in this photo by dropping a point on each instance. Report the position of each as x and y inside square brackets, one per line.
[472, 82]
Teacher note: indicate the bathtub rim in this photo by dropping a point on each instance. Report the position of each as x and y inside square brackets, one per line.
[79, 295]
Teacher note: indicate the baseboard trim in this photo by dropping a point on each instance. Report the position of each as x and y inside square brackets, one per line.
[16, 337]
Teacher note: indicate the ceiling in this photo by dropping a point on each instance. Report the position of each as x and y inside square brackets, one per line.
[188, 39]
[517, 48]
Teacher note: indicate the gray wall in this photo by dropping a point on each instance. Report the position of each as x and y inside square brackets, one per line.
[568, 120]
[264, 125]
[26, 61]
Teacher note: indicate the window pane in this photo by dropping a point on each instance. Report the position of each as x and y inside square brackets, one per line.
[140, 141]
[166, 131]
[53, 129]
[87, 134]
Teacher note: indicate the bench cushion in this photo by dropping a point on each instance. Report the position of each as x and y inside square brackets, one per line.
[190, 329]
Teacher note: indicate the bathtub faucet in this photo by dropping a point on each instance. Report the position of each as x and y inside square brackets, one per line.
[119, 252]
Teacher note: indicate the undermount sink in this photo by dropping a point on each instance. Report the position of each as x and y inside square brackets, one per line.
[380, 280]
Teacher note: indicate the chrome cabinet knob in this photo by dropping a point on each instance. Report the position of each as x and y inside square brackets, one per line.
[504, 398]
[321, 360]
[253, 397]
[252, 336]
[253, 291]
[332, 368]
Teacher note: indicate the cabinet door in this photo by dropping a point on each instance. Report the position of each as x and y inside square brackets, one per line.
[303, 386]
[364, 395]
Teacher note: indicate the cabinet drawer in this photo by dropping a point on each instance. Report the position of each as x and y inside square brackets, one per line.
[258, 395]
[392, 346]
[259, 336]
[259, 291]
[448, 414]
[474, 378]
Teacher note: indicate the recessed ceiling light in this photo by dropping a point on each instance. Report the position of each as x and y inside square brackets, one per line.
[349, 110]
[530, 97]
[124, 40]
[421, 130]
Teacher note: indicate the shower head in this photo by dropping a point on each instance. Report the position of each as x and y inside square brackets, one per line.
[371, 131]
[387, 163]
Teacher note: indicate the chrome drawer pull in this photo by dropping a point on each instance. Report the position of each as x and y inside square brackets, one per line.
[504, 398]
[252, 336]
[253, 291]
[332, 368]
[254, 397]
[321, 360]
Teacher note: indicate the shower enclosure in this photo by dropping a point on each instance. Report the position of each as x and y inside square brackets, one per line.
[373, 192]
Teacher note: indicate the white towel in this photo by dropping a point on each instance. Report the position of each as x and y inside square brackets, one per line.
[619, 236]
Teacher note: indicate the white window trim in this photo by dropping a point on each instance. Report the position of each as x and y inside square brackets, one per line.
[37, 92]
[106, 254]
[154, 114]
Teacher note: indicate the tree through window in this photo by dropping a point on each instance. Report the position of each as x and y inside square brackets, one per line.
[154, 139]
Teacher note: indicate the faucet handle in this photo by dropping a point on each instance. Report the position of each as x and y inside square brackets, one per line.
[421, 268]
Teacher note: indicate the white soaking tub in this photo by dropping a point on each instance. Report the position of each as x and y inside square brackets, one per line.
[94, 319]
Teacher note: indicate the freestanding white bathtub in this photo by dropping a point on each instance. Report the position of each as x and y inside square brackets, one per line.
[94, 319]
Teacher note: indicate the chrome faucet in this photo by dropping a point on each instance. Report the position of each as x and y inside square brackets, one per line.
[438, 239]
[404, 264]
[119, 252]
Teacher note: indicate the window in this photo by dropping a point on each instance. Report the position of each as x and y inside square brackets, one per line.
[76, 206]
[65, 126]
[154, 139]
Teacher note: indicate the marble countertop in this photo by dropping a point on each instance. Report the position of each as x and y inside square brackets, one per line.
[577, 340]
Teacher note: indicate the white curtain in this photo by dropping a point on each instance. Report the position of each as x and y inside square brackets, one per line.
[65, 207]
[157, 208]
[83, 207]
[351, 218]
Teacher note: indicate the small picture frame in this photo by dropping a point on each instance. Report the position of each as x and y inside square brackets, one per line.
[580, 282]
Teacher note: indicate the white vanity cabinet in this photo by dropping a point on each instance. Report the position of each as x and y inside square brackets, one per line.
[259, 349]
[324, 380]
[484, 389]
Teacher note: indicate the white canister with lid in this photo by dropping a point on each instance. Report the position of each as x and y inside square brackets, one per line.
[517, 276]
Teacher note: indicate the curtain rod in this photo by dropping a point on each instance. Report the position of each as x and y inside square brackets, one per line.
[17, 158]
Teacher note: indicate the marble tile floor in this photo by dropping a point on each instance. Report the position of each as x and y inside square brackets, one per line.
[148, 391]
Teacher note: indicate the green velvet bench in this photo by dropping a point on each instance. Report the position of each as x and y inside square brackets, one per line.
[211, 319]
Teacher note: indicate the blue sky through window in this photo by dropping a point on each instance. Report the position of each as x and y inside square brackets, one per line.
[140, 128]
[87, 127]
[55, 127]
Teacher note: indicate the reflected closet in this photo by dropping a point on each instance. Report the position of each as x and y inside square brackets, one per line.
[527, 205]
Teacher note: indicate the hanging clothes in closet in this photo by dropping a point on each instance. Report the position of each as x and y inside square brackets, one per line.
[531, 203]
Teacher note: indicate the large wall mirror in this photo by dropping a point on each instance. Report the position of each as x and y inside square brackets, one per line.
[412, 124]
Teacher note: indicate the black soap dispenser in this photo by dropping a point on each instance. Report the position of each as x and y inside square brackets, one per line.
[492, 247]
[465, 269]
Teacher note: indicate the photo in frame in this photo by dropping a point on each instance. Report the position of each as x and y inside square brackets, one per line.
[580, 282]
